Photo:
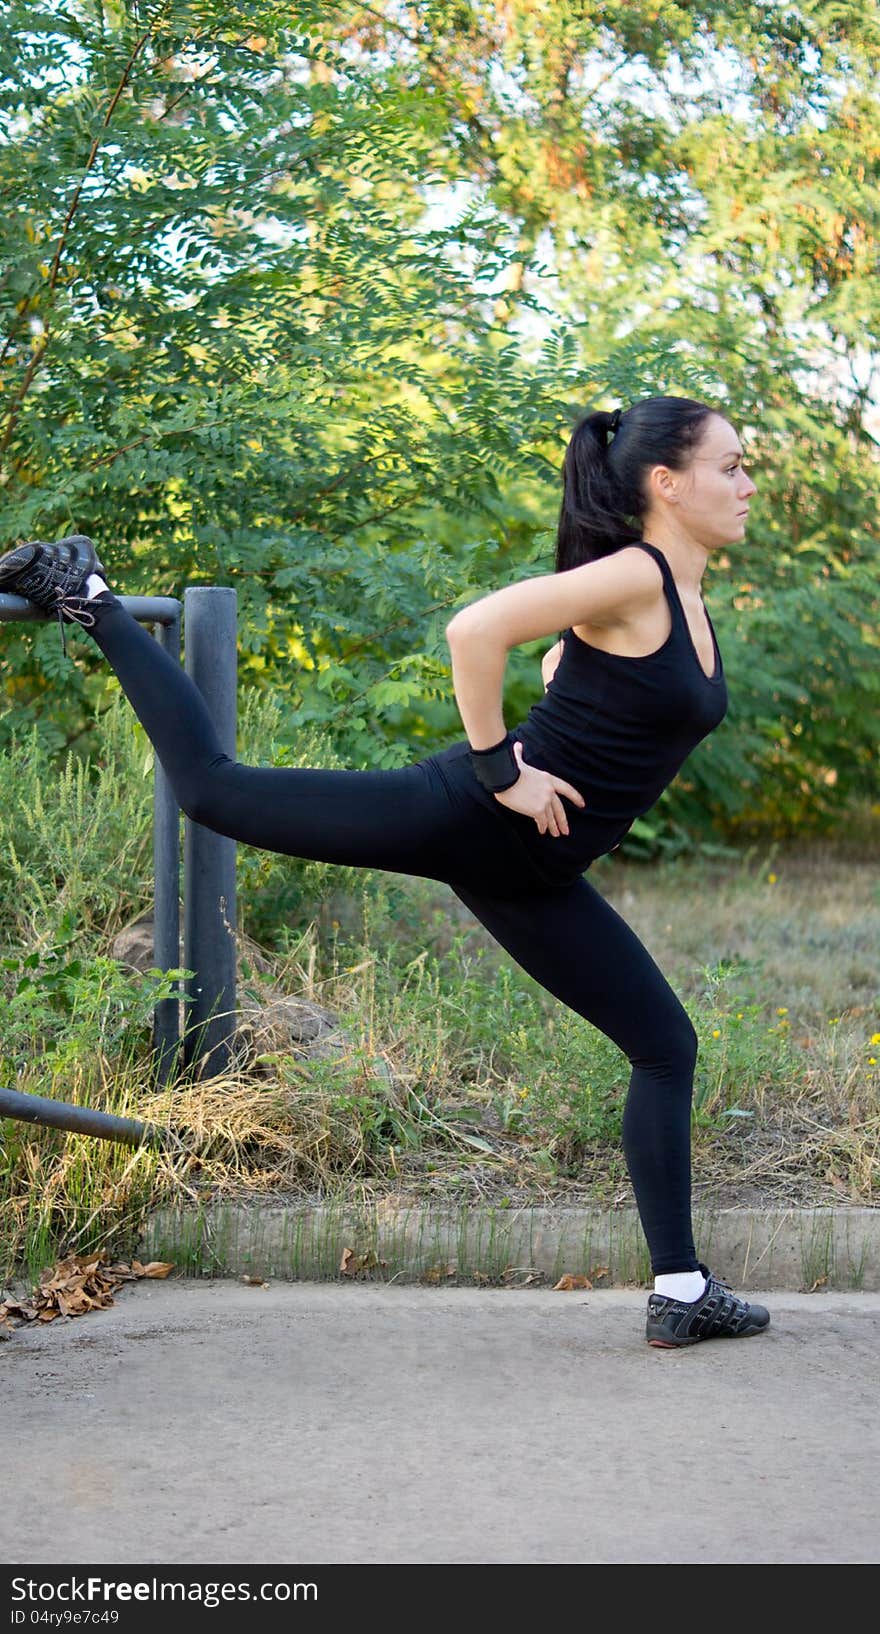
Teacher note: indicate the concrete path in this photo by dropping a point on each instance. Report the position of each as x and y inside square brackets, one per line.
[308, 1423]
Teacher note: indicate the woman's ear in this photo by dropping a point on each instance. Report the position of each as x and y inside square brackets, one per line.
[663, 484]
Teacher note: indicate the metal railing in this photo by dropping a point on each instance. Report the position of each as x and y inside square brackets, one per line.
[209, 859]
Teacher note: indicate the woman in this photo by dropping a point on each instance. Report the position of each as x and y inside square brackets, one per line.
[512, 819]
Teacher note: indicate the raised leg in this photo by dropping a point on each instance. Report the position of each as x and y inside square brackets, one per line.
[579, 948]
[400, 820]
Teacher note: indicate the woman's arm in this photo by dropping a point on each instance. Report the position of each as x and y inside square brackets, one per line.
[478, 682]
[606, 591]
[481, 635]
[478, 678]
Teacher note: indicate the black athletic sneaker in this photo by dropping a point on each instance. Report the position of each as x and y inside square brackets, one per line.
[717, 1314]
[53, 577]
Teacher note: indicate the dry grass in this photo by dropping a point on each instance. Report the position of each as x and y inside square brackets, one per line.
[814, 1137]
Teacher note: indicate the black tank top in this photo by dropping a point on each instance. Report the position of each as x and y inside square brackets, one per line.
[618, 729]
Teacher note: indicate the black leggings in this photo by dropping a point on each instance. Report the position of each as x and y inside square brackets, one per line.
[433, 819]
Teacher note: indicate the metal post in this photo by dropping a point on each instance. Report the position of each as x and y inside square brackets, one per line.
[166, 871]
[209, 859]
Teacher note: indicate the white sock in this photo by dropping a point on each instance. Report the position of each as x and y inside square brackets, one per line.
[684, 1285]
[94, 585]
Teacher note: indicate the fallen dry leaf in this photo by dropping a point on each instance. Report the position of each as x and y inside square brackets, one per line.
[353, 1265]
[76, 1285]
[819, 1283]
[436, 1273]
[567, 1282]
[25, 1313]
[254, 1282]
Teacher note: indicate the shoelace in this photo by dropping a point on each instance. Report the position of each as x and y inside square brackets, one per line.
[40, 584]
[724, 1309]
[38, 579]
[720, 1282]
[75, 610]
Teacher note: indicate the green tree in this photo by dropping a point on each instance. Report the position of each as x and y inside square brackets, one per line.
[229, 354]
[235, 347]
[702, 182]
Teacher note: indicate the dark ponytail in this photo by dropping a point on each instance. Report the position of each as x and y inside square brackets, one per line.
[603, 473]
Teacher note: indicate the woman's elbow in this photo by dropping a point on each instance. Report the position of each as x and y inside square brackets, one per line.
[461, 625]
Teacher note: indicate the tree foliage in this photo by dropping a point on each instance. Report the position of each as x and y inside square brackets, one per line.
[305, 299]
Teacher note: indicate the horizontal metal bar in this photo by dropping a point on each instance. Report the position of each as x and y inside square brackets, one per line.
[146, 609]
[80, 1120]
[152, 609]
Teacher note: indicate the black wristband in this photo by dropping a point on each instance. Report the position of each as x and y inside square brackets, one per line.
[496, 768]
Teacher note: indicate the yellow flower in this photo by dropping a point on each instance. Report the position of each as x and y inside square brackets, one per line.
[872, 1060]
[771, 879]
[717, 1033]
[875, 1038]
[739, 1015]
[833, 1020]
[783, 1011]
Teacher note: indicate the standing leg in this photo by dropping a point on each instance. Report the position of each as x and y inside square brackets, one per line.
[577, 946]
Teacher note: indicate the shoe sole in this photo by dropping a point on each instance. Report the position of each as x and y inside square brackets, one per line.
[682, 1344]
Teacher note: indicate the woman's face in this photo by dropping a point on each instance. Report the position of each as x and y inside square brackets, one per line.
[709, 500]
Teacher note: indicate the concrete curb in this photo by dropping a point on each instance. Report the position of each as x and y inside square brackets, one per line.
[796, 1249]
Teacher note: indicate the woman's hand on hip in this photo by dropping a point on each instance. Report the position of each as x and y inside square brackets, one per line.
[537, 794]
